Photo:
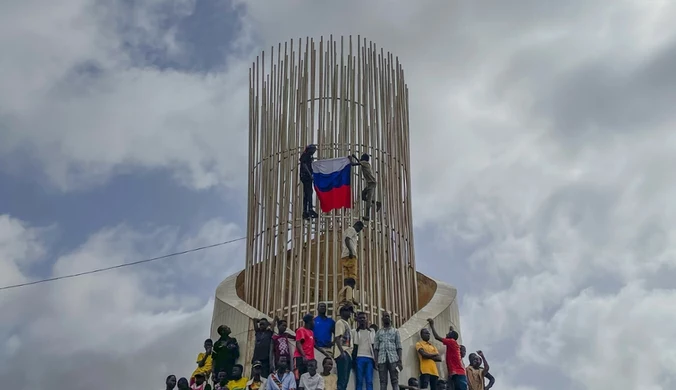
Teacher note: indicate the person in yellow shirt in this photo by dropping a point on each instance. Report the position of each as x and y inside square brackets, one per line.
[429, 356]
[237, 381]
[204, 362]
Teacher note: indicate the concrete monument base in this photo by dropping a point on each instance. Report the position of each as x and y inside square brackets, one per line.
[438, 302]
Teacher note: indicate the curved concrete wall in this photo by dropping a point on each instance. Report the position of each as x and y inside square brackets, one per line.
[231, 310]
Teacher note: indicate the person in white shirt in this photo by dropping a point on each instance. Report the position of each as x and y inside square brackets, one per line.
[348, 260]
[311, 380]
[362, 352]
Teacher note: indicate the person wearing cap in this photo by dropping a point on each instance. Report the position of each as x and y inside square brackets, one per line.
[348, 260]
[257, 381]
[306, 179]
[237, 380]
[370, 184]
[343, 346]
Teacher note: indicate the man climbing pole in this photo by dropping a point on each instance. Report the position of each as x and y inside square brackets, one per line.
[349, 263]
[370, 184]
[306, 178]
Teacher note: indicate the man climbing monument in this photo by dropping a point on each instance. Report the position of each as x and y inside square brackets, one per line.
[370, 184]
[306, 178]
[349, 262]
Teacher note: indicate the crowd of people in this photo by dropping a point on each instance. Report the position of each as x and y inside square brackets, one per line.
[284, 361]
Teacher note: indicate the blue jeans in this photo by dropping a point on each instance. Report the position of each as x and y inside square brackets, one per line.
[364, 373]
[344, 363]
[459, 382]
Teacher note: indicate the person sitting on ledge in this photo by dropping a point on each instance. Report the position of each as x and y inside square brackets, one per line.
[412, 385]
[237, 381]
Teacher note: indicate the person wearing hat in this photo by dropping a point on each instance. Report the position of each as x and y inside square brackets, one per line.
[343, 346]
[306, 179]
[257, 382]
[370, 184]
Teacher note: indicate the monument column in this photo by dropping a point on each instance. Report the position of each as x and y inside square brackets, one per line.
[348, 97]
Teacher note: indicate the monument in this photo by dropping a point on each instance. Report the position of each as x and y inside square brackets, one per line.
[347, 97]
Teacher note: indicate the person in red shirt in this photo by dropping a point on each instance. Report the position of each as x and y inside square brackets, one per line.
[456, 370]
[305, 345]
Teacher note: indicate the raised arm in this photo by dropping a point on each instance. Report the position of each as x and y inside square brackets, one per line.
[434, 331]
[486, 366]
[491, 381]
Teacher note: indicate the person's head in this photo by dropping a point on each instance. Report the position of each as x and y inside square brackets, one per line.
[463, 351]
[374, 327]
[257, 368]
[237, 371]
[208, 345]
[358, 226]
[308, 321]
[362, 320]
[321, 309]
[413, 382]
[182, 384]
[311, 149]
[346, 311]
[327, 364]
[171, 381]
[386, 318]
[282, 363]
[474, 360]
[281, 326]
[452, 334]
[425, 334]
[364, 157]
[199, 379]
[312, 367]
[224, 330]
[222, 377]
[441, 385]
[263, 324]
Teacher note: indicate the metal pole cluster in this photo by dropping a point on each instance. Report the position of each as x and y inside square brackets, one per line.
[347, 97]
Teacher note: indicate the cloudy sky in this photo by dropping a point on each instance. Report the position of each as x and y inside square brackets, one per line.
[540, 152]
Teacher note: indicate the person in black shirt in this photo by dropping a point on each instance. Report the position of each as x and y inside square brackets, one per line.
[306, 178]
[225, 352]
[263, 351]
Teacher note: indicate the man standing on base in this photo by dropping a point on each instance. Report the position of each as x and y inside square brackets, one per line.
[349, 262]
[387, 348]
[456, 371]
[370, 184]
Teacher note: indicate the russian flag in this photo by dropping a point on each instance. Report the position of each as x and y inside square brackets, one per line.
[332, 183]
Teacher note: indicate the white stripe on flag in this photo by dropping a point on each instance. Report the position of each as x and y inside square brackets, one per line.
[330, 165]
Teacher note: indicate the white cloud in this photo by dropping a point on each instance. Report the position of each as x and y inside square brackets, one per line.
[132, 314]
[552, 122]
